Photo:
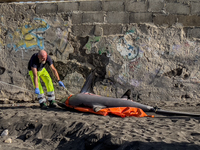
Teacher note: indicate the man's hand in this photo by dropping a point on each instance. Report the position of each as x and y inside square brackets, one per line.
[37, 91]
[61, 84]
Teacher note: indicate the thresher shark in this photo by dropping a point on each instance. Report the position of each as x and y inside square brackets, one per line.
[96, 103]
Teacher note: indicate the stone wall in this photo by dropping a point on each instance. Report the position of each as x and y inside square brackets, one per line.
[149, 46]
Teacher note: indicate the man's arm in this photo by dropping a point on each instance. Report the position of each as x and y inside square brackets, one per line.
[55, 72]
[34, 70]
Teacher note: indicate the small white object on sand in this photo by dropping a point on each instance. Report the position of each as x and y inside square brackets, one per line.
[9, 140]
[4, 133]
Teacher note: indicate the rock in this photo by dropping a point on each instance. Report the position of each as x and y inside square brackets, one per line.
[29, 134]
[4, 101]
[9, 140]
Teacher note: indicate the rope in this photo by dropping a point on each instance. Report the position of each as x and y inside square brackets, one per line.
[69, 91]
[30, 90]
[16, 86]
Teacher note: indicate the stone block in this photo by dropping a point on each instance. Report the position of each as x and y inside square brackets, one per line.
[96, 17]
[90, 6]
[20, 8]
[141, 17]
[164, 19]
[113, 6]
[133, 6]
[188, 21]
[67, 7]
[156, 5]
[117, 17]
[112, 29]
[77, 18]
[83, 30]
[45, 8]
[181, 1]
[195, 8]
[193, 33]
[98, 30]
[177, 8]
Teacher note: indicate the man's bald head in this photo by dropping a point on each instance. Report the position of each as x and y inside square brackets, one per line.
[42, 55]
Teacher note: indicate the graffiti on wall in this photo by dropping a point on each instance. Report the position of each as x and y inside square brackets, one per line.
[130, 50]
[119, 49]
[35, 34]
[91, 43]
[135, 51]
[29, 36]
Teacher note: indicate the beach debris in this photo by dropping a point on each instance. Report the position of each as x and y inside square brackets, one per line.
[4, 133]
[8, 140]
[29, 134]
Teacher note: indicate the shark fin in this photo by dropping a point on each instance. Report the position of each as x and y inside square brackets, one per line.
[87, 87]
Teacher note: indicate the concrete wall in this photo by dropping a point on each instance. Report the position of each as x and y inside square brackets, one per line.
[149, 46]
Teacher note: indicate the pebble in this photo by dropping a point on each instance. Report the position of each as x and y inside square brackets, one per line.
[4, 133]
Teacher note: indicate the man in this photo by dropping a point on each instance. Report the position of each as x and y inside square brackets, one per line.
[37, 71]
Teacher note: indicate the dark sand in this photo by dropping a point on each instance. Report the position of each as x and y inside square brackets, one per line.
[66, 129]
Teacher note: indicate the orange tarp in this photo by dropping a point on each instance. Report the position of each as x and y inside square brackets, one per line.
[119, 111]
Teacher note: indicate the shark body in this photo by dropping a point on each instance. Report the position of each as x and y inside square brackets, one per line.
[86, 99]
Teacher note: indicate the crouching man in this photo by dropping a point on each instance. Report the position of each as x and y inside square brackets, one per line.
[36, 71]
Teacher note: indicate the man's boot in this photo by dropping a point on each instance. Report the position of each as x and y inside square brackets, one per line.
[42, 101]
[43, 105]
[52, 104]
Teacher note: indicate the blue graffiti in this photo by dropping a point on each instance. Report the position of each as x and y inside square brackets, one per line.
[38, 41]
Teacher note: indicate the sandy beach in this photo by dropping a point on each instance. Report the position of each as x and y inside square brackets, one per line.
[29, 128]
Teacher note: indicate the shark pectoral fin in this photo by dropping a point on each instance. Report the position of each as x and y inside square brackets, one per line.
[96, 108]
[127, 94]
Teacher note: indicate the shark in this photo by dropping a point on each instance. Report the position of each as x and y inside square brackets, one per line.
[87, 98]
